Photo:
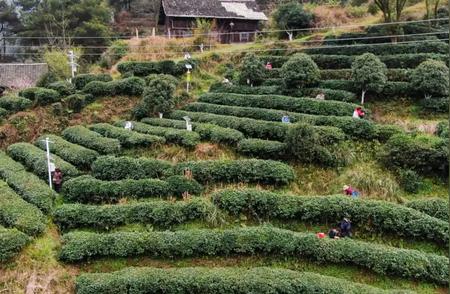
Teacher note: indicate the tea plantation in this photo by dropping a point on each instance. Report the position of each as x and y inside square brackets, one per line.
[239, 210]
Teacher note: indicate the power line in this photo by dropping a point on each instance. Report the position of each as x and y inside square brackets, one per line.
[258, 50]
[250, 32]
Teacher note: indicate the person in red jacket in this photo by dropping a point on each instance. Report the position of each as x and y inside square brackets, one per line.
[358, 113]
[57, 179]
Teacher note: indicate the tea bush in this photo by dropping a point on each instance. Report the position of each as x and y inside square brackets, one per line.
[92, 140]
[127, 138]
[11, 242]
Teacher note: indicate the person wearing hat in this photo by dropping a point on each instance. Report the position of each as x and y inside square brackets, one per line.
[349, 191]
[346, 228]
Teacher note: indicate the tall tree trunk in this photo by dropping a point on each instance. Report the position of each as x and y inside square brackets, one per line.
[363, 94]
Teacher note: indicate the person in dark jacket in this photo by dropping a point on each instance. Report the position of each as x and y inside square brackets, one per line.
[57, 179]
[333, 234]
[346, 228]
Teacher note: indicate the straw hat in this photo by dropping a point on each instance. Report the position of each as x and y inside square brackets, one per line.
[345, 187]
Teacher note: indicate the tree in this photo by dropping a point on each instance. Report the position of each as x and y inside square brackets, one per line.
[291, 16]
[391, 9]
[9, 23]
[368, 73]
[252, 70]
[431, 78]
[158, 97]
[300, 71]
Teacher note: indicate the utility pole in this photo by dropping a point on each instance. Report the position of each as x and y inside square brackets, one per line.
[73, 65]
[50, 165]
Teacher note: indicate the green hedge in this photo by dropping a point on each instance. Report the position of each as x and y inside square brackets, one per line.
[86, 189]
[82, 80]
[145, 68]
[36, 160]
[17, 213]
[435, 105]
[132, 86]
[77, 102]
[26, 184]
[262, 148]
[3, 113]
[249, 127]
[118, 168]
[380, 216]
[393, 74]
[351, 127]
[236, 171]
[75, 154]
[232, 280]
[163, 214]
[11, 243]
[390, 89]
[442, 129]
[434, 207]
[64, 88]
[423, 154]
[40, 96]
[15, 103]
[381, 259]
[302, 105]
[127, 138]
[92, 140]
[206, 131]
[383, 49]
[175, 136]
[241, 89]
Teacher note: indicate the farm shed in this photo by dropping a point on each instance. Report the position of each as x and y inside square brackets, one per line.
[234, 21]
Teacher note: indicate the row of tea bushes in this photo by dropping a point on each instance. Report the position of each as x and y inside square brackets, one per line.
[434, 207]
[86, 189]
[145, 68]
[207, 171]
[127, 138]
[233, 280]
[11, 242]
[358, 128]
[17, 213]
[40, 96]
[160, 213]
[132, 86]
[286, 103]
[92, 140]
[262, 148]
[75, 154]
[36, 160]
[209, 132]
[26, 184]
[381, 259]
[15, 103]
[174, 136]
[380, 216]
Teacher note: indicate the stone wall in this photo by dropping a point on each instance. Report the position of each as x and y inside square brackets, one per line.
[21, 75]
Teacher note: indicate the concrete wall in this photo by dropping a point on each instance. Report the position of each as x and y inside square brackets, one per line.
[21, 75]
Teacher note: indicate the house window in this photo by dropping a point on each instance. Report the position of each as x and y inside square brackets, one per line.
[244, 37]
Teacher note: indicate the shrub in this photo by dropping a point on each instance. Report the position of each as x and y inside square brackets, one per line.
[385, 132]
[15, 103]
[303, 142]
[26, 184]
[46, 79]
[355, 128]
[98, 88]
[119, 168]
[241, 89]
[75, 154]
[330, 94]
[127, 138]
[160, 213]
[434, 207]
[3, 113]
[40, 96]
[393, 74]
[302, 105]
[431, 78]
[92, 140]
[154, 77]
[249, 127]
[217, 280]
[80, 81]
[435, 105]
[379, 216]
[77, 102]
[236, 171]
[368, 74]
[378, 258]
[180, 184]
[17, 213]
[62, 87]
[86, 189]
[218, 134]
[390, 89]
[36, 160]
[424, 155]
[262, 148]
[159, 97]
[442, 129]
[11, 242]
[410, 181]
[132, 86]
[175, 136]
[145, 68]
[300, 71]
[252, 70]
[292, 16]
